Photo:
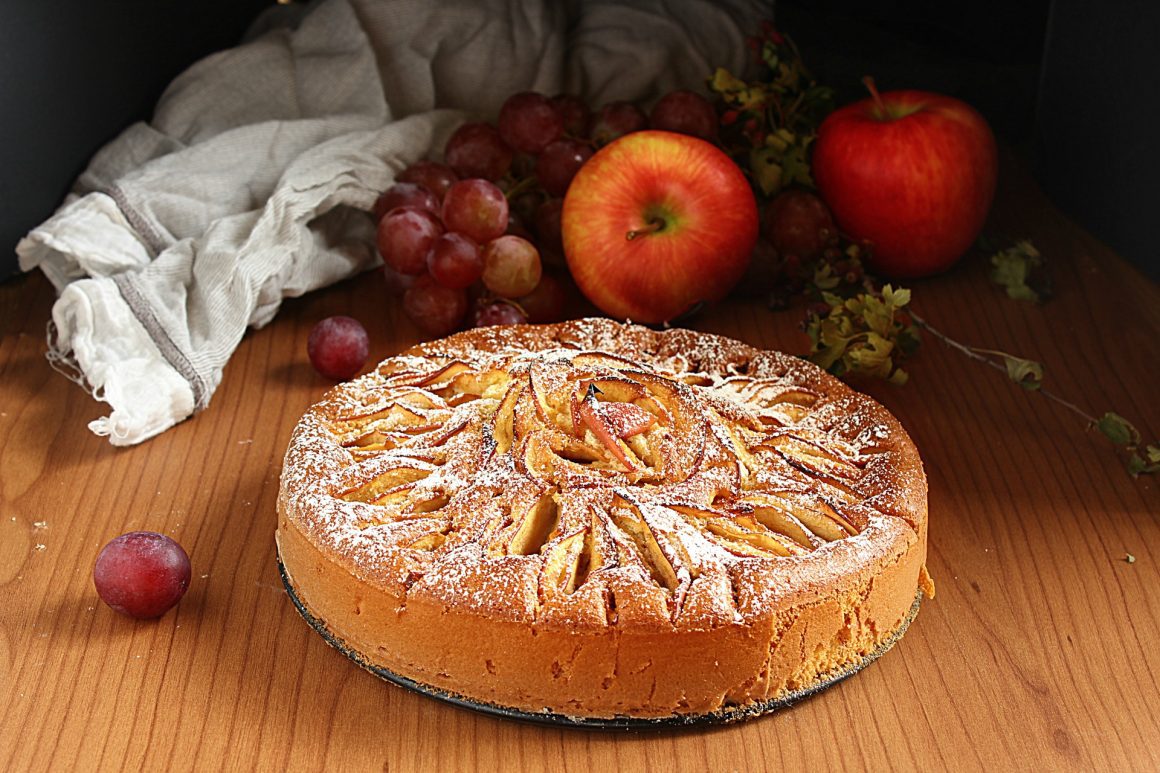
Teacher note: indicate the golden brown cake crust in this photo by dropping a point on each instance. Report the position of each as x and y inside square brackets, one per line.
[464, 518]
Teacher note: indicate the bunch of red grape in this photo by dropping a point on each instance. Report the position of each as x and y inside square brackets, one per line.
[471, 233]
[437, 245]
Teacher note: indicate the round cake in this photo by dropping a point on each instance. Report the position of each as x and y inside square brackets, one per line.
[593, 520]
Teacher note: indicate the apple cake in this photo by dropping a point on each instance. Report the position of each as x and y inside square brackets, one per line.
[593, 520]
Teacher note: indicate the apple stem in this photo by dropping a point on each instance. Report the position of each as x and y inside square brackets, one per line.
[654, 225]
[868, 82]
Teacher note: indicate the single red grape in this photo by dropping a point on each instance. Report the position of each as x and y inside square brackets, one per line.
[476, 150]
[397, 283]
[528, 121]
[405, 195]
[575, 114]
[799, 223]
[455, 261]
[547, 302]
[141, 574]
[546, 225]
[475, 208]
[498, 313]
[435, 309]
[685, 112]
[511, 266]
[559, 163]
[432, 175]
[405, 236]
[615, 120]
[522, 207]
[338, 347]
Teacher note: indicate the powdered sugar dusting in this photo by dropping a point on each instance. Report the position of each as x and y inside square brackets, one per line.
[459, 467]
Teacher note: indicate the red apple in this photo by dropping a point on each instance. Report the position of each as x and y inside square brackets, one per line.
[657, 222]
[911, 172]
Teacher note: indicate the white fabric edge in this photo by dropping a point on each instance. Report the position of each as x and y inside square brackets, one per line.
[120, 367]
[86, 236]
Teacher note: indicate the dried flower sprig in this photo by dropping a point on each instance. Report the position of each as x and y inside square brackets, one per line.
[768, 124]
[868, 334]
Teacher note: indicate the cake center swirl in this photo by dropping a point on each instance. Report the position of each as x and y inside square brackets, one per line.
[592, 460]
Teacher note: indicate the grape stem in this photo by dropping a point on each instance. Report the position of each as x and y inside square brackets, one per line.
[520, 187]
[980, 355]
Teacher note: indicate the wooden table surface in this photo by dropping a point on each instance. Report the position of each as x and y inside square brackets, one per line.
[1041, 650]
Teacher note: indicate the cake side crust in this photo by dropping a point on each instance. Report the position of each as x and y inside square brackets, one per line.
[606, 673]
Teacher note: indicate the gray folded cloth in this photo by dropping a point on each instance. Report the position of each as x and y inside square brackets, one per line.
[253, 180]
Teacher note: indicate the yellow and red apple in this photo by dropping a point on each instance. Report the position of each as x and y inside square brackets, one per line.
[911, 172]
[656, 223]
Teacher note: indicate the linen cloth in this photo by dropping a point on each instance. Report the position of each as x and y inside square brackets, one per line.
[253, 180]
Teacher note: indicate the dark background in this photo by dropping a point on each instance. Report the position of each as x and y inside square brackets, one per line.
[74, 73]
[1072, 85]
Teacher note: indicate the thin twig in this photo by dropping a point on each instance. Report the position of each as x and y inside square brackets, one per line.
[922, 323]
[978, 356]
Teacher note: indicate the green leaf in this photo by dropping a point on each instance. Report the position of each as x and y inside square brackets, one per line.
[1022, 293]
[1118, 430]
[909, 340]
[769, 55]
[871, 356]
[830, 299]
[1026, 373]
[898, 298]
[1146, 464]
[766, 169]
[826, 357]
[1012, 269]
[795, 160]
[879, 317]
[835, 332]
[825, 279]
[724, 82]
[790, 153]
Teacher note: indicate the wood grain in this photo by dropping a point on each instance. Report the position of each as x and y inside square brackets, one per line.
[1040, 650]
